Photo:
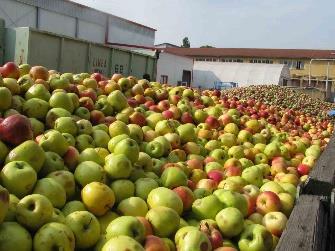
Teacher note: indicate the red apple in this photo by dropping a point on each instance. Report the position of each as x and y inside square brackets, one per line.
[97, 117]
[10, 70]
[215, 175]
[303, 169]
[71, 157]
[267, 202]
[16, 129]
[212, 122]
[186, 195]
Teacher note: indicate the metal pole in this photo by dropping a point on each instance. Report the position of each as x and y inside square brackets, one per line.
[309, 75]
[327, 91]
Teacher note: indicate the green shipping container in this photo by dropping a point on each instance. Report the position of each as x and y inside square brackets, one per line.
[65, 54]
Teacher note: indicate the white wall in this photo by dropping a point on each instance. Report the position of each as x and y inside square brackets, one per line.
[18, 14]
[91, 32]
[125, 32]
[173, 66]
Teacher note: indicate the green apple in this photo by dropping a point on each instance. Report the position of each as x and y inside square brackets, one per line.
[57, 216]
[82, 112]
[38, 91]
[73, 206]
[11, 213]
[3, 151]
[162, 196]
[66, 125]
[59, 83]
[118, 128]
[232, 199]
[123, 189]
[255, 237]
[70, 139]
[253, 175]
[180, 234]
[289, 188]
[103, 105]
[35, 108]
[272, 150]
[118, 166]
[231, 128]
[164, 221]
[101, 138]
[18, 177]
[53, 162]
[116, 139]
[102, 127]
[61, 100]
[287, 203]
[84, 141]
[173, 177]
[272, 186]
[144, 186]
[244, 136]
[90, 154]
[144, 162]
[194, 240]
[33, 211]
[122, 242]
[258, 138]
[200, 193]
[126, 226]
[15, 237]
[87, 172]
[52, 190]
[155, 149]
[66, 180]
[84, 127]
[228, 139]
[246, 163]
[54, 114]
[133, 206]
[105, 220]
[54, 235]
[219, 155]
[230, 221]
[5, 98]
[129, 148]
[236, 152]
[117, 100]
[261, 158]
[30, 152]
[17, 103]
[37, 126]
[86, 228]
[153, 119]
[4, 203]
[136, 133]
[200, 116]
[75, 99]
[187, 133]
[206, 207]
[55, 142]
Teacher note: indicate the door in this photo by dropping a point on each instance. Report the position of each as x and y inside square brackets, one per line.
[186, 77]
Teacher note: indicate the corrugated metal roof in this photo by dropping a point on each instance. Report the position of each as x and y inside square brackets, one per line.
[250, 52]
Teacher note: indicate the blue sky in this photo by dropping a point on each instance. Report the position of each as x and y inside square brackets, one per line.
[306, 24]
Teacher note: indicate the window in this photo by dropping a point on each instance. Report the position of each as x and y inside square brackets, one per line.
[116, 70]
[121, 69]
[299, 65]
[164, 79]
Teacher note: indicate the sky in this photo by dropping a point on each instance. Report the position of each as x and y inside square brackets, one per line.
[298, 24]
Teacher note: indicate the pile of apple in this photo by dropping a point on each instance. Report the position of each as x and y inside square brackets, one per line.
[284, 97]
[120, 164]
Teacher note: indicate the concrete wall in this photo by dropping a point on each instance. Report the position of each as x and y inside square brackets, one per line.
[173, 66]
[18, 14]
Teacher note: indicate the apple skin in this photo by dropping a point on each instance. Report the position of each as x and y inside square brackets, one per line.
[275, 222]
[12, 233]
[123, 189]
[85, 227]
[173, 177]
[154, 243]
[186, 195]
[34, 219]
[143, 186]
[54, 235]
[4, 203]
[232, 199]
[230, 221]
[118, 166]
[87, 172]
[122, 242]
[261, 238]
[162, 196]
[207, 207]
[267, 202]
[18, 177]
[66, 180]
[165, 221]
[129, 148]
[133, 206]
[194, 240]
[126, 226]
[73, 206]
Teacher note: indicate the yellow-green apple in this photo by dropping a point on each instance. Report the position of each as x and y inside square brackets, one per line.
[123, 189]
[186, 133]
[66, 125]
[126, 226]
[253, 175]
[54, 141]
[272, 186]
[73, 206]
[287, 203]
[18, 177]
[136, 133]
[87, 172]
[230, 221]
[133, 206]
[53, 162]
[66, 180]
[206, 207]
[173, 177]
[37, 126]
[54, 235]
[289, 188]
[51, 189]
[194, 240]
[236, 152]
[85, 227]
[256, 218]
[98, 198]
[275, 222]
[90, 154]
[155, 149]
[118, 166]
[53, 114]
[165, 221]
[231, 128]
[105, 220]
[144, 186]
[57, 216]
[5, 98]
[117, 100]
[11, 212]
[38, 91]
[4, 203]
[267, 202]
[272, 150]
[232, 199]
[12, 85]
[33, 211]
[122, 242]
[61, 100]
[228, 139]
[244, 136]
[12, 234]
[255, 237]
[147, 226]
[129, 148]
[162, 196]
[219, 155]
[287, 178]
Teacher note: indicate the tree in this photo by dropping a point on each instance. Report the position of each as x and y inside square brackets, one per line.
[207, 46]
[186, 43]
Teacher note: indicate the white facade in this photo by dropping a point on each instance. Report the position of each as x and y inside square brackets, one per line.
[71, 19]
[205, 74]
[172, 67]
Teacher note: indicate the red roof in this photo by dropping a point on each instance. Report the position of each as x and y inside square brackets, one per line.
[250, 52]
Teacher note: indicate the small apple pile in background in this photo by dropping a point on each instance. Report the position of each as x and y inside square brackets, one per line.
[91, 163]
[283, 97]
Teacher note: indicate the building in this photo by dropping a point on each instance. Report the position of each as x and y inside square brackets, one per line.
[302, 63]
[166, 45]
[75, 20]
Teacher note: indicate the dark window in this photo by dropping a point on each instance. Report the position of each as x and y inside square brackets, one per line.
[164, 79]
[121, 69]
[116, 70]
